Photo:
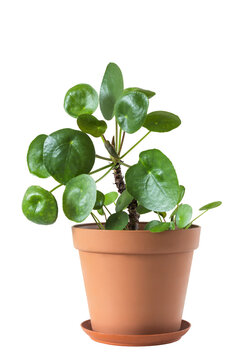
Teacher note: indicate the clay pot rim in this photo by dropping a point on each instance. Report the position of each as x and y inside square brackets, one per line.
[87, 239]
[93, 227]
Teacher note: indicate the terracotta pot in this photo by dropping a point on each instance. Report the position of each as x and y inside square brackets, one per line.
[135, 281]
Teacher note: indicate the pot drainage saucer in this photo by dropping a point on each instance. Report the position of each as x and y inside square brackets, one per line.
[135, 340]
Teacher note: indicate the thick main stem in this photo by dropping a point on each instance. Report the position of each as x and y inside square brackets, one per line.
[132, 207]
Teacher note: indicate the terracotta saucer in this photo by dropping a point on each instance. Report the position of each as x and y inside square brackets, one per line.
[135, 340]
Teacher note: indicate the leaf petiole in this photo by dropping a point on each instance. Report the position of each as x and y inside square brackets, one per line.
[100, 169]
[188, 226]
[135, 144]
[56, 187]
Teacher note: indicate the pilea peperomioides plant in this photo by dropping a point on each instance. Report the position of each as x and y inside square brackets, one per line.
[68, 156]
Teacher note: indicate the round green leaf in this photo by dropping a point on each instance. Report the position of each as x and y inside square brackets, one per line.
[79, 197]
[148, 93]
[183, 215]
[35, 157]
[131, 110]
[123, 201]
[117, 221]
[162, 226]
[211, 205]
[39, 206]
[142, 210]
[161, 121]
[111, 90]
[181, 193]
[100, 211]
[152, 224]
[90, 125]
[153, 181]
[68, 153]
[81, 99]
[110, 197]
[99, 200]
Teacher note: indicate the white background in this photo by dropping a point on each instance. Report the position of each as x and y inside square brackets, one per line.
[186, 51]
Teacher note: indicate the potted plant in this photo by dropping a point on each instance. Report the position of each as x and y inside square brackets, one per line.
[135, 273]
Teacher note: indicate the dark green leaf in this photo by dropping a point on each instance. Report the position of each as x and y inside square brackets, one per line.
[131, 110]
[142, 210]
[181, 193]
[148, 93]
[35, 157]
[161, 121]
[211, 205]
[90, 125]
[100, 211]
[162, 226]
[153, 181]
[110, 198]
[81, 99]
[68, 153]
[111, 90]
[99, 200]
[151, 224]
[79, 197]
[123, 201]
[117, 221]
[183, 215]
[39, 206]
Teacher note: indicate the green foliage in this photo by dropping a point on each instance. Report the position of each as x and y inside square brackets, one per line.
[39, 206]
[153, 181]
[80, 99]
[161, 121]
[68, 153]
[123, 201]
[99, 201]
[110, 198]
[79, 197]
[90, 125]
[183, 215]
[117, 221]
[68, 156]
[211, 205]
[35, 157]
[131, 110]
[148, 93]
[111, 90]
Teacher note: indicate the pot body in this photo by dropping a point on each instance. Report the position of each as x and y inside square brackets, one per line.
[135, 281]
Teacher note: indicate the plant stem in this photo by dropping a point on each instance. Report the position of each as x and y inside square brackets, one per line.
[103, 138]
[119, 141]
[100, 169]
[188, 226]
[105, 174]
[116, 135]
[120, 148]
[124, 164]
[159, 216]
[97, 221]
[56, 187]
[102, 157]
[135, 144]
[107, 209]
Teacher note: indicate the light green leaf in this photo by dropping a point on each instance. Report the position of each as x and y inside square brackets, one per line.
[153, 181]
[162, 226]
[79, 197]
[90, 125]
[181, 193]
[111, 90]
[142, 210]
[117, 221]
[211, 205]
[39, 206]
[110, 198]
[68, 153]
[161, 121]
[81, 99]
[183, 215]
[123, 201]
[151, 224]
[148, 93]
[35, 157]
[131, 110]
